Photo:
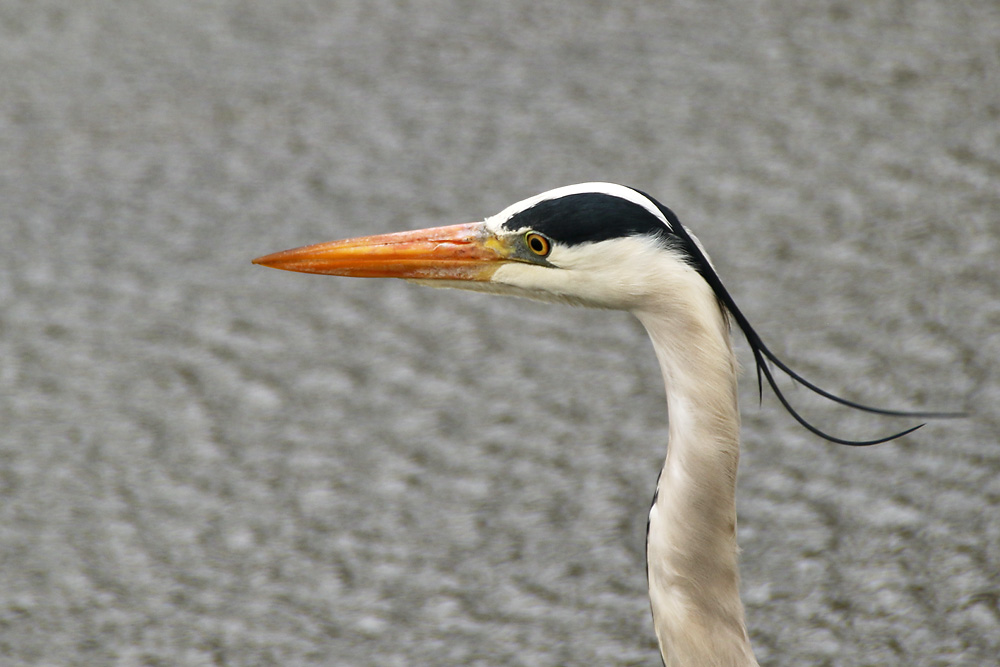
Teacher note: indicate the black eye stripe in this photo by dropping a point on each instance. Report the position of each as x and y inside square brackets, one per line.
[587, 218]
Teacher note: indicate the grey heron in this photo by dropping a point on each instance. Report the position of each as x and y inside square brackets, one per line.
[609, 246]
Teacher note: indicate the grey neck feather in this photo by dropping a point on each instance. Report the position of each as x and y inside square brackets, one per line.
[691, 545]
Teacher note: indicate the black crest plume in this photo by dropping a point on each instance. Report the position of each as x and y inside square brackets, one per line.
[762, 355]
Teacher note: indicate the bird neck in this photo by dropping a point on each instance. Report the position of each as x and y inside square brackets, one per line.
[691, 547]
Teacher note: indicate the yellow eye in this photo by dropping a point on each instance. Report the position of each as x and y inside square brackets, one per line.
[537, 244]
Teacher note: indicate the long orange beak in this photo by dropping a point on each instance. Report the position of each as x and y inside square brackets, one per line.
[456, 252]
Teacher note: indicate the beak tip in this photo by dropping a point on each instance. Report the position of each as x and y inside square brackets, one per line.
[264, 260]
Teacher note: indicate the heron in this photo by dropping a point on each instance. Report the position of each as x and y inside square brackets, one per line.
[609, 246]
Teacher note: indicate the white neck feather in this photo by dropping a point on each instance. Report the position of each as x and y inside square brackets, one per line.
[691, 546]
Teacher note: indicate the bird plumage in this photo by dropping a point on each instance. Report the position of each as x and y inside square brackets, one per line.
[603, 245]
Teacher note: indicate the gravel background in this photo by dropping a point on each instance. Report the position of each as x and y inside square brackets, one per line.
[203, 462]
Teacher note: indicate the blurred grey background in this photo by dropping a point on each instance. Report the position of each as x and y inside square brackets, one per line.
[203, 462]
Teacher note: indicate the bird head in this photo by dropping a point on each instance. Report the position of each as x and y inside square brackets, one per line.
[593, 244]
